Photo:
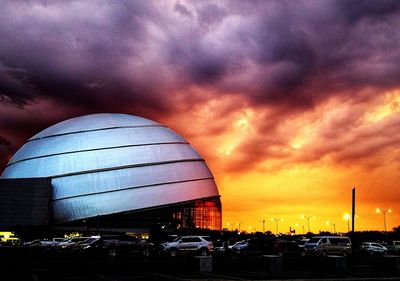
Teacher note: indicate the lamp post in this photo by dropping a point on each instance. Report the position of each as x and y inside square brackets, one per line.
[383, 211]
[263, 223]
[276, 220]
[239, 224]
[333, 224]
[308, 220]
[297, 225]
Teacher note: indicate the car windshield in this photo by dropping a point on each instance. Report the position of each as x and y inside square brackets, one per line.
[313, 240]
[176, 239]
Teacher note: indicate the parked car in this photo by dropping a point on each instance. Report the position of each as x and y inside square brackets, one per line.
[81, 244]
[115, 246]
[52, 243]
[33, 243]
[238, 247]
[286, 248]
[220, 247]
[325, 245]
[188, 244]
[300, 243]
[394, 247]
[232, 244]
[253, 246]
[373, 248]
[69, 242]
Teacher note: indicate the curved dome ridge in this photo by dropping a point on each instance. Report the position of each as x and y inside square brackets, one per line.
[93, 122]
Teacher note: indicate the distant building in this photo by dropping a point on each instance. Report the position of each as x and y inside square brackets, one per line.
[109, 172]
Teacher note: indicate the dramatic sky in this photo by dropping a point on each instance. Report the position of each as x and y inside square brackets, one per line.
[291, 103]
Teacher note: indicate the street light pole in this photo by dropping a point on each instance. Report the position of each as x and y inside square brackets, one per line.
[263, 223]
[384, 211]
[308, 220]
[239, 224]
[276, 220]
[333, 224]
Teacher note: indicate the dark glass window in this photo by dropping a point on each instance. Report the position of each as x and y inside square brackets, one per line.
[196, 214]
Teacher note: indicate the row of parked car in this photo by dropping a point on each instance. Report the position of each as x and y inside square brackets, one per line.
[125, 245]
[316, 246]
[110, 245]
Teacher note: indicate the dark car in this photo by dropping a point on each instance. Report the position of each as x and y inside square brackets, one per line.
[286, 248]
[253, 246]
[117, 246]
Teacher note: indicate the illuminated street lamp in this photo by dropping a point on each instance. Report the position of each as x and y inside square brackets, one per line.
[334, 225]
[297, 225]
[276, 220]
[347, 217]
[238, 225]
[308, 220]
[383, 211]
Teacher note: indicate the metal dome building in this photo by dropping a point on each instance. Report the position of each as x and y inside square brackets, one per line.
[117, 171]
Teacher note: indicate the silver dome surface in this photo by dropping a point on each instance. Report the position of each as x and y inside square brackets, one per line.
[102, 164]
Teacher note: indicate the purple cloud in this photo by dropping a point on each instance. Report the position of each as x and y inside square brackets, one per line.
[134, 56]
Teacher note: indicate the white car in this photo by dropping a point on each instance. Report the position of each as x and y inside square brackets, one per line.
[69, 242]
[394, 246]
[238, 246]
[188, 244]
[373, 248]
[327, 245]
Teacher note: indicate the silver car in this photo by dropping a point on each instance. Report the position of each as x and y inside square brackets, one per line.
[326, 245]
[188, 244]
[373, 248]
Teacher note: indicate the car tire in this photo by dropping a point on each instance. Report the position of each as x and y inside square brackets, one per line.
[173, 252]
[303, 253]
[203, 252]
[344, 253]
[324, 253]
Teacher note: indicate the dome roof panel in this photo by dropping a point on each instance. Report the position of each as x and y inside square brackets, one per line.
[95, 160]
[94, 140]
[136, 177]
[94, 122]
[131, 199]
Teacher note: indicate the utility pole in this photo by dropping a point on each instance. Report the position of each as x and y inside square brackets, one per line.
[308, 220]
[276, 220]
[384, 211]
[353, 208]
[239, 224]
[263, 223]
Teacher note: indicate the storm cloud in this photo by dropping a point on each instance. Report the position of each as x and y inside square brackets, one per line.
[161, 59]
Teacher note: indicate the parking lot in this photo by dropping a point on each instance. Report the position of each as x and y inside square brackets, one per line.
[23, 264]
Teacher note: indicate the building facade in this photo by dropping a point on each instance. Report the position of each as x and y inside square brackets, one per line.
[117, 171]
